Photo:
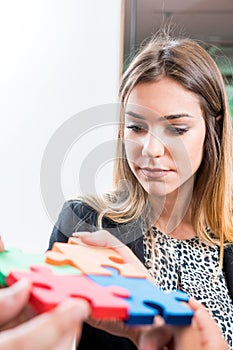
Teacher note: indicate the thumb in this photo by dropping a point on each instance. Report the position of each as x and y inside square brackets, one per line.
[100, 238]
[13, 299]
[2, 247]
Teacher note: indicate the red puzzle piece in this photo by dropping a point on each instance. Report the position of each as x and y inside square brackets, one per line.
[48, 290]
[91, 259]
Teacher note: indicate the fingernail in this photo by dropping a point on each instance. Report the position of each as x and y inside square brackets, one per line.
[80, 234]
[22, 283]
[79, 309]
[82, 310]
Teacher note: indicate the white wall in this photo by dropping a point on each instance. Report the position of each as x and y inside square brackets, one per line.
[57, 58]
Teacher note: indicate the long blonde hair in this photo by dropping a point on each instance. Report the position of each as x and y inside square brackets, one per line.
[189, 64]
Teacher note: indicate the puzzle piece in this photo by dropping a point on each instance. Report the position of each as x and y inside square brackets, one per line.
[48, 290]
[90, 259]
[12, 259]
[147, 300]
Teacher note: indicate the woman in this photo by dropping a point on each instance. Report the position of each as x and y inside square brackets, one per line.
[172, 201]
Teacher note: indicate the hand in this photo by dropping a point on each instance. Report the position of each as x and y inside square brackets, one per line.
[21, 310]
[105, 239]
[14, 304]
[203, 334]
[209, 332]
[52, 330]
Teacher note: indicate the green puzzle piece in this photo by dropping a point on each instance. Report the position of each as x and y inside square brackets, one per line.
[16, 259]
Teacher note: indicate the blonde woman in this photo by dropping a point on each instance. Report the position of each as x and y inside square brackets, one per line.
[172, 196]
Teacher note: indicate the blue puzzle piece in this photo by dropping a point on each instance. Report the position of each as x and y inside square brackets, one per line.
[147, 300]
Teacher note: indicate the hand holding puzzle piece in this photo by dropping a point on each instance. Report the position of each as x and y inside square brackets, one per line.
[114, 288]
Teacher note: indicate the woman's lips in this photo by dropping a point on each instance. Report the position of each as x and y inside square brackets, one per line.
[155, 173]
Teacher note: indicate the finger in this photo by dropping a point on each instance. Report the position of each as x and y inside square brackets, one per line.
[67, 343]
[206, 325]
[187, 338]
[104, 238]
[119, 328]
[48, 330]
[158, 321]
[195, 304]
[2, 247]
[13, 299]
[100, 238]
[198, 309]
[156, 338]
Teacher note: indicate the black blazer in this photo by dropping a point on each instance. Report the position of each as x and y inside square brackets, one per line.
[228, 268]
[77, 216]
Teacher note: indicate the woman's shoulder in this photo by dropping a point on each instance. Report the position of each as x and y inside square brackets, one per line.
[77, 207]
[85, 218]
[76, 212]
[75, 215]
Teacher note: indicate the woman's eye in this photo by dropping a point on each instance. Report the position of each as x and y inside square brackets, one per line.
[177, 130]
[135, 128]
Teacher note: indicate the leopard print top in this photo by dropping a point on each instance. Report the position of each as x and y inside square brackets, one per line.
[191, 265]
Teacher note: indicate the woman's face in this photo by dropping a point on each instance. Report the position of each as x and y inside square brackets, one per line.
[164, 135]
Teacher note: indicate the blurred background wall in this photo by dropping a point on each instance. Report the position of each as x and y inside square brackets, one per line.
[57, 59]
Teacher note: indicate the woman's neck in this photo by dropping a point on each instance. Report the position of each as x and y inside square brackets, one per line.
[172, 215]
[179, 229]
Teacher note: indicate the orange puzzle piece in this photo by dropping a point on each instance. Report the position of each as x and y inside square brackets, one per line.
[91, 260]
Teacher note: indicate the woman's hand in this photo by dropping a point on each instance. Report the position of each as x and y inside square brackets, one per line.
[207, 328]
[103, 238]
[203, 334]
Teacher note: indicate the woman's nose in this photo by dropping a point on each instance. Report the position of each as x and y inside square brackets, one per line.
[153, 146]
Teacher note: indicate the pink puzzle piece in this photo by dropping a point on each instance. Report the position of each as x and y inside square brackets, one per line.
[91, 259]
[48, 290]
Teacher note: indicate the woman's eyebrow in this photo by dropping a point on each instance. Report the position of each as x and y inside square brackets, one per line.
[134, 114]
[176, 116]
[167, 117]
